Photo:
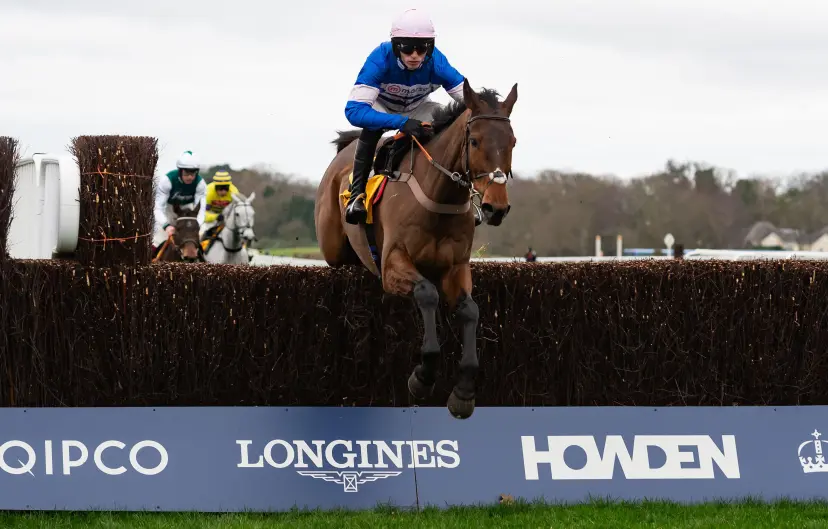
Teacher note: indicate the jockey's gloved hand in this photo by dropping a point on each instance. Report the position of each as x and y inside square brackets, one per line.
[414, 127]
[220, 217]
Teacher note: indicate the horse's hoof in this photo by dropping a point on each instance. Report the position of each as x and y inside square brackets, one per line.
[417, 388]
[460, 408]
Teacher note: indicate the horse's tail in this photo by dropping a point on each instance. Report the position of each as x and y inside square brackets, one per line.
[345, 138]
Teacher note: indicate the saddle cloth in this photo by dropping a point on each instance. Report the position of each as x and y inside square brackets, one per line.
[374, 188]
[208, 242]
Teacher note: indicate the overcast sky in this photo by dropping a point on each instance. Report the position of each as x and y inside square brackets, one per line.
[605, 86]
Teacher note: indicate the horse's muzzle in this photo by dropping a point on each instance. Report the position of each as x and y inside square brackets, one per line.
[189, 249]
[494, 216]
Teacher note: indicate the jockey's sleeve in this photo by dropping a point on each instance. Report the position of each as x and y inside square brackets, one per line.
[162, 194]
[449, 78]
[201, 200]
[364, 93]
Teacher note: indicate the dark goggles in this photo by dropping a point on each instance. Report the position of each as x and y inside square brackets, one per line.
[222, 187]
[410, 46]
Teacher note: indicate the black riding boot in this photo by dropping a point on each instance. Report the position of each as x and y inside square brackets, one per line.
[356, 212]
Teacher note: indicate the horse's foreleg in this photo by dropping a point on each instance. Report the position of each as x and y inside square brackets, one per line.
[457, 286]
[402, 278]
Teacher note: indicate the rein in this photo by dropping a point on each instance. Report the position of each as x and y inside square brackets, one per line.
[170, 240]
[163, 248]
[463, 180]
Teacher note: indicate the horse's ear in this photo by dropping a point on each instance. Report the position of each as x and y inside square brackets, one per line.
[251, 197]
[470, 96]
[235, 197]
[509, 102]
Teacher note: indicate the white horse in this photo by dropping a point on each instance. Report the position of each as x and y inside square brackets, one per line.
[237, 233]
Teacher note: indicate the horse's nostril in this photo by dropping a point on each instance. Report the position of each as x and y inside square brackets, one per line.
[486, 207]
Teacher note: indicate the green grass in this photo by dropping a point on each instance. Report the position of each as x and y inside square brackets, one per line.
[300, 251]
[312, 252]
[523, 515]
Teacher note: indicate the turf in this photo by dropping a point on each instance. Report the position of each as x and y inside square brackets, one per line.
[596, 514]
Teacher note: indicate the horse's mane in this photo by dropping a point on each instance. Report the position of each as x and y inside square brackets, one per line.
[345, 137]
[444, 116]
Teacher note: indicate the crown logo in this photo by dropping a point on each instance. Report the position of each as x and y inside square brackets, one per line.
[815, 463]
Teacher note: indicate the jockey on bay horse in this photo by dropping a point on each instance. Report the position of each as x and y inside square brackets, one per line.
[391, 92]
[418, 240]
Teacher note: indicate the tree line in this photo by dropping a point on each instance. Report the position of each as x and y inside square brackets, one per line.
[559, 213]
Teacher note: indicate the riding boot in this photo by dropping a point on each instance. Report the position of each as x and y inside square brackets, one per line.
[356, 212]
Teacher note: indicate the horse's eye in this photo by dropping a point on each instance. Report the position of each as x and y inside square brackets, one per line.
[473, 142]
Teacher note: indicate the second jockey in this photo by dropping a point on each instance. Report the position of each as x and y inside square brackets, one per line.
[182, 187]
[391, 92]
[219, 195]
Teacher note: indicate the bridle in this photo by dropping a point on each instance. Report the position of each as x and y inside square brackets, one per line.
[190, 239]
[466, 179]
[171, 239]
[237, 230]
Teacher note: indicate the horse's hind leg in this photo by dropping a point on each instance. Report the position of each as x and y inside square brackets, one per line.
[401, 278]
[457, 286]
[333, 243]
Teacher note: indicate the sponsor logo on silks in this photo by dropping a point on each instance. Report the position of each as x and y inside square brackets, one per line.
[178, 195]
[816, 461]
[19, 457]
[686, 457]
[356, 462]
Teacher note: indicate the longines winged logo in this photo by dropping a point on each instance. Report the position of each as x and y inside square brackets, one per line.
[349, 480]
[379, 459]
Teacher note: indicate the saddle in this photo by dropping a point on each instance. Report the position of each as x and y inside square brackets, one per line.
[389, 156]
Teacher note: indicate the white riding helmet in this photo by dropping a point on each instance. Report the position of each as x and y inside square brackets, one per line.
[187, 160]
[413, 23]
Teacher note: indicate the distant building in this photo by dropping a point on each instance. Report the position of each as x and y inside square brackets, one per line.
[764, 234]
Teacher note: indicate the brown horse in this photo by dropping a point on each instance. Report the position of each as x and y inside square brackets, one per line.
[184, 244]
[423, 229]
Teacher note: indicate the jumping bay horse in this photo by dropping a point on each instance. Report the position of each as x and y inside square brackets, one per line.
[183, 245]
[423, 228]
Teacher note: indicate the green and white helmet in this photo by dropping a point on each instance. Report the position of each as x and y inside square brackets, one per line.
[187, 160]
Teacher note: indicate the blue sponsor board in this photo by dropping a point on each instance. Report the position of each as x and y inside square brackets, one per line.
[271, 459]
